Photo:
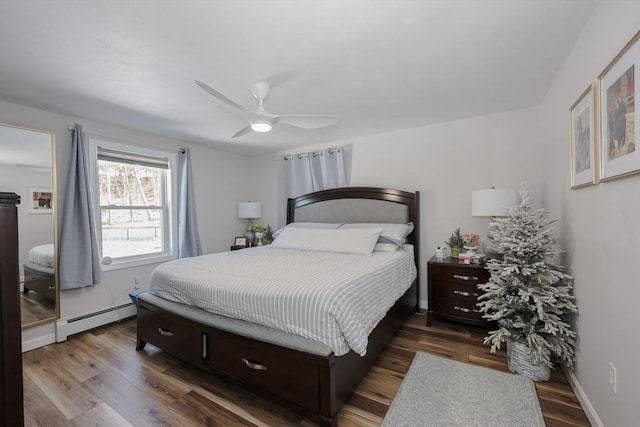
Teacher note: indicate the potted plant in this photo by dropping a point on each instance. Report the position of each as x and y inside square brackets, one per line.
[528, 298]
[268, 235]
[259, 232]
[455, 243]
[470, 242]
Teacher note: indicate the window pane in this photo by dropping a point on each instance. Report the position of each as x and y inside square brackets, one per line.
[124, 184]
[130, 232]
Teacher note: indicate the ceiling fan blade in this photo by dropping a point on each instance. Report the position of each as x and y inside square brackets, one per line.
[220, 96]
[242, 131]
[307, 122]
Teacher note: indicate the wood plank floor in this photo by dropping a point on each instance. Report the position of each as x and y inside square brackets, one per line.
[97, 378]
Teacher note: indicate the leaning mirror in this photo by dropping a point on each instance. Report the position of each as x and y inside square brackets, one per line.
[27, 167]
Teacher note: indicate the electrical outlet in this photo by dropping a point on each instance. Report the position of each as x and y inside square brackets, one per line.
[613, 377]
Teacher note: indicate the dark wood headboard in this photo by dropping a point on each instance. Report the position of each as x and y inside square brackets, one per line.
[361, 204]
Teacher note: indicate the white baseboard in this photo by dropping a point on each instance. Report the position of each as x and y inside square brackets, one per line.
[64, 328]
[38, 342]
[588, 409]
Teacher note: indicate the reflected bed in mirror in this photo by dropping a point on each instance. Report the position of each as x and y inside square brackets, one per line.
[27, 167]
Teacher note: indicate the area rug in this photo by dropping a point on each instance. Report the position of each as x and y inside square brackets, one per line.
[442, 392]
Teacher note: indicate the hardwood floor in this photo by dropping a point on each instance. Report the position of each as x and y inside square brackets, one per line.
[97, 378]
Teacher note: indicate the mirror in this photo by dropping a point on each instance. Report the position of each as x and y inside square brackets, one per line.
[27, 167]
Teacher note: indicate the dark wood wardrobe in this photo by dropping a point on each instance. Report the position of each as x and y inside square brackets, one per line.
[11, 404]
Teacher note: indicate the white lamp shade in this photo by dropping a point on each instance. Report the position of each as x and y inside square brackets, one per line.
[493, 201]
[249, 210]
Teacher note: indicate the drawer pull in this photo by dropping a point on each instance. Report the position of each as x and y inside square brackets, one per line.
[465, 310]
[254, 365]
[458, 276]
[466, 294]
[165, 332]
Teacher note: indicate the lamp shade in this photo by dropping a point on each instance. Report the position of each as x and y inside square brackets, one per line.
[249, 210]
[493, 201]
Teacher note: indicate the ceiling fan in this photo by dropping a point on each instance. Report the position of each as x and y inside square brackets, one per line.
[261, 120]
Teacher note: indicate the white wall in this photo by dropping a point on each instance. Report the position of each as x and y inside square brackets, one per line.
[220, 182]
[600, 227]
[445, 162]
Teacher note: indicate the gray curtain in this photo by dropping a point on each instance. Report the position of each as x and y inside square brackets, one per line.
[79, 250]
[188, 236]
[304, 173]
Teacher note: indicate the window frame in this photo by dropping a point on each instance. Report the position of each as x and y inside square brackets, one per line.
[169, 207]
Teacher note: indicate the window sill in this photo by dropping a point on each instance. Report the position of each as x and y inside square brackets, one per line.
[120, 264]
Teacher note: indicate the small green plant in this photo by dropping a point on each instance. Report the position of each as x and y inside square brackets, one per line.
[259, 228]
[455, 241]
[268, 234]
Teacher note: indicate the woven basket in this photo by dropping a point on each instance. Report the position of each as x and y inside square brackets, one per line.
[520, 362]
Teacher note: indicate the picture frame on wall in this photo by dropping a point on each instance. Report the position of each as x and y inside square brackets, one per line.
[618, 90]
[583, 134]
[40, 200]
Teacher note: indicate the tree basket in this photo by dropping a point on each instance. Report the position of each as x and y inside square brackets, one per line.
[521, 362]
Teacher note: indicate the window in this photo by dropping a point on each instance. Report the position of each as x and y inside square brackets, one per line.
[134, 211]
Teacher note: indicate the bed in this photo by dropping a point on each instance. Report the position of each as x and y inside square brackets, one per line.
[39, 272]
[304, 374]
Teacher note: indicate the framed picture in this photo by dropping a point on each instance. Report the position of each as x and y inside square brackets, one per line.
[240, 241]
[582, 136]
[618, 113]
[40, 200]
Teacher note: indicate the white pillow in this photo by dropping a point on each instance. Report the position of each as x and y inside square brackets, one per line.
[391, 233]
[319, 225]
[385, 247]
[355, 241]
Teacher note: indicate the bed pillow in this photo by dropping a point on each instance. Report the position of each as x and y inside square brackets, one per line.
[317, 225]
[352, 241]
[385, 247]
[391, 233]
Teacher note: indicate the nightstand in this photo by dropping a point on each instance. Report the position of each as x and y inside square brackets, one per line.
[453, 293]
[237, 247]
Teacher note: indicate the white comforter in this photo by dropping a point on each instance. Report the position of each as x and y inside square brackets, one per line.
[42, 255]
[333, 298]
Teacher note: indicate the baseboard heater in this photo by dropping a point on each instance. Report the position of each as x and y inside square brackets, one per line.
[65, 328]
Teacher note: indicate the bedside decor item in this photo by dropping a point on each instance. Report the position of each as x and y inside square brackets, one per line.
[582, 140]
[249, 211]
[492, 202]
[455, 243]
[240, 241]
[530, 299]
[258, 231]
[619, 114]
[471, 242]
[268, 235]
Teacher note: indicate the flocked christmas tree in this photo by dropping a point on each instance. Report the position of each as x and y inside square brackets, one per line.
[529, 298]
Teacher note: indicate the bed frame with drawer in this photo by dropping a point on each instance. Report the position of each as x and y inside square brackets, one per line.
[310, 383]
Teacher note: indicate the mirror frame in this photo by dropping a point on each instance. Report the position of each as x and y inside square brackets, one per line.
[56, 199]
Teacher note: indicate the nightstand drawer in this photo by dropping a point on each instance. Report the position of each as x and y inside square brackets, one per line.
[460, 275]
[467, 309]
[463, 292]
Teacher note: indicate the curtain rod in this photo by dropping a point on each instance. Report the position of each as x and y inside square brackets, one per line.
[306, 154]
[154, 147]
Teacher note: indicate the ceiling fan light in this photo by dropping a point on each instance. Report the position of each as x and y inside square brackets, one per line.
[261, 126]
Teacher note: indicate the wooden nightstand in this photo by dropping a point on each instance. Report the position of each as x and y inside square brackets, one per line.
[453, 293]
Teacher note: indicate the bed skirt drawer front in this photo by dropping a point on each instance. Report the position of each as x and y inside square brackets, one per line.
[177, 337]
[268, 367]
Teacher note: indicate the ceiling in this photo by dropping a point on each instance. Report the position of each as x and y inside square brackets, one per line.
[378, 65]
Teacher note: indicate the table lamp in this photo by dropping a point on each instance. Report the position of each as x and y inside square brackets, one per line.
[492, 202]
[249, 211]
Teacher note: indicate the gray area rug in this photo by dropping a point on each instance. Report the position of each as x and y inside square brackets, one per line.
[445, 393]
